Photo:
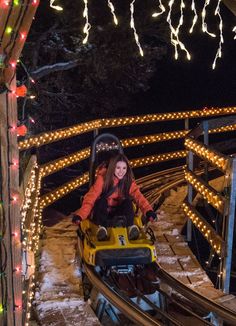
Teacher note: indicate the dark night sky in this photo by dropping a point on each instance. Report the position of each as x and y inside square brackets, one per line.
[183, 85]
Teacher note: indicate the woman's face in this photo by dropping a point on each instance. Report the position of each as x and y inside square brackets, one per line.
[120, 170]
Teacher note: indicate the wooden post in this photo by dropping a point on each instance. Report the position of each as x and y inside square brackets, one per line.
[15, 23]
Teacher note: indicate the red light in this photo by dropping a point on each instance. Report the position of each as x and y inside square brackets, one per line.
[14, 234]
[22, 36]
[13, 64]
[34, 2]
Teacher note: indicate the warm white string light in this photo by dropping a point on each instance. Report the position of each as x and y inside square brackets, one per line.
[87, 25]
[162, 8]
[195, 18]
[204, 24]
[175, 32]
[132, 25]
[219, 51]
[234, 31]
[54, 6]
[111, 6]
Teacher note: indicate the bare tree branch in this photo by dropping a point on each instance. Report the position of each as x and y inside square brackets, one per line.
[46, 70]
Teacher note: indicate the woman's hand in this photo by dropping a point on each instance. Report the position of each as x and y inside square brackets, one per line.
[151, 216]
[76, 219]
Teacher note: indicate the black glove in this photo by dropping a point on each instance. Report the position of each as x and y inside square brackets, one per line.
[76, 219]
[151, 216]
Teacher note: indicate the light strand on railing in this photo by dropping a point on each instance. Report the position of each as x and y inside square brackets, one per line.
[87, 25]
[60, 192]
[221, 41]
[60, 134]
[207, 192]
[206, 229]
[132, 25]
[211, 156]
[148, 160]
[49, 137]
[162, 10]
[204, 24]
[135, 141]
[111, 6]
[195, 18]
[66, 161]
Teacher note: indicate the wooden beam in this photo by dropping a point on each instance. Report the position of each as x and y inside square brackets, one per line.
[18, 18]
[231, 4]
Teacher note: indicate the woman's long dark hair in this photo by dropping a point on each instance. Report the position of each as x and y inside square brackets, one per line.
[125, 183]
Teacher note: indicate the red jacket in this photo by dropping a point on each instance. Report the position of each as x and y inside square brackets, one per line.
[96, 190]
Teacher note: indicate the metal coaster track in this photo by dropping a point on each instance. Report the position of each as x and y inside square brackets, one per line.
[111, 291]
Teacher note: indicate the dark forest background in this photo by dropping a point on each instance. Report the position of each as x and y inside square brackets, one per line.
[107, 76]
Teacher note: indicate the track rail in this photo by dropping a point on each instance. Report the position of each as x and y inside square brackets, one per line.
[121, 300]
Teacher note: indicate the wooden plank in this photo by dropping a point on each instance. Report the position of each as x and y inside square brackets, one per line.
[5, 196]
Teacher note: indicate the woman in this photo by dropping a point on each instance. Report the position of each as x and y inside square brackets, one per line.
[112, 195]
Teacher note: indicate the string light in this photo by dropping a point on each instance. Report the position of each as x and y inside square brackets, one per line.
[217, 159]
[195, 18]
[174, 33]
[75, 130]
[87, 25]
[207, 192]
[221, 41]
[234, 31]
[162, 10]
[132, 25]
[59, 8]
[205, 228]
[204, 24]
[111, 6]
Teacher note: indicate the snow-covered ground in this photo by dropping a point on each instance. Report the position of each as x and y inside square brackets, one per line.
[59, 297]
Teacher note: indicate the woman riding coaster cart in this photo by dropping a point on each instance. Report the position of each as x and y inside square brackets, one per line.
[111, 196]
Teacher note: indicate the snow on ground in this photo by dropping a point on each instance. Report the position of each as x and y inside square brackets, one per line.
[59, 296]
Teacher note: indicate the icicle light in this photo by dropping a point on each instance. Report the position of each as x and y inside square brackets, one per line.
[195, 18]
[162, 10]
[234, 31]
[54, 6]
[204, 24]
[111, 6]
[219, 51]
[87, 25]
[132, 25]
